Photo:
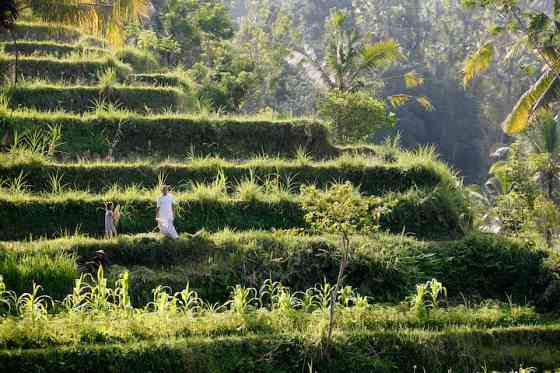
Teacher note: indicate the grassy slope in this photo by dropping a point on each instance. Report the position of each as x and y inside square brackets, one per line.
[373, 176]
[81, 99]
[462, 350]
[427, 214]
[62, 70]
[386, 267]
[173, 135]
[49, 48]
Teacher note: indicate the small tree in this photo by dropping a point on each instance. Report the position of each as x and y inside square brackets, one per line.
[343, 211]
[354, 115]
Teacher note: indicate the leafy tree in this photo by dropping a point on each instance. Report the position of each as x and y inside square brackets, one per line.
[354, 115]
[343, 211]
[194, 23]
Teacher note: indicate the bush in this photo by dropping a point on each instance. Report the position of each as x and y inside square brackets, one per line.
[81, 99]
[54, 69]
[174, 136]
[354, 115]
[141, 61]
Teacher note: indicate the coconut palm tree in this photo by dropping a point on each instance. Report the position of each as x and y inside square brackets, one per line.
[353, 63]
[540, 36]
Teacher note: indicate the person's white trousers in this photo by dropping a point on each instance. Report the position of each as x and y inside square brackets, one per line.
[167, 228]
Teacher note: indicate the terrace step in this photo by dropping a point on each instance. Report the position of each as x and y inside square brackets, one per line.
[81, 99]
[422, 213]
[387, 267]
[50, 48]
[175, 136]
[43, 32]
[372, 176]
[60, 70]
[499, 349]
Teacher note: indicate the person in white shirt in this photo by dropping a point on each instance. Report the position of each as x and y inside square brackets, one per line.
[165, 213]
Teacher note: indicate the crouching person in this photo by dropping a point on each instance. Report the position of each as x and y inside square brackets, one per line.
[165, 213]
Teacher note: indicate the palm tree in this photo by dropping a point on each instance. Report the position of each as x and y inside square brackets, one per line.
[353, 63]
[105, 18]
[539, 36]
[544, 138]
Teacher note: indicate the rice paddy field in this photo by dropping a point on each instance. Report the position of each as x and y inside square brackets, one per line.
[247, 286]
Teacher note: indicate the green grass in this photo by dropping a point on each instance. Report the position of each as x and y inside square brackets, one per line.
[50, 48]
[372, 175]
[43, 32]
[77, 69]
[141, 61]
[439, 213]
[175, 135]
[163, 80]
[385, 267]
[81, 99]
[461, 351]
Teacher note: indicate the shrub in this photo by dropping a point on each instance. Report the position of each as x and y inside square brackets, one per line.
[354, 115]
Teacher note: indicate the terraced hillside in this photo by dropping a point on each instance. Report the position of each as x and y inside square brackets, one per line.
[247, 286]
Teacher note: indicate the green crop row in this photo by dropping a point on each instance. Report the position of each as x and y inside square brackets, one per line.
[173, 135]
[48, 48]
[427, 214]
[53, 69]
[373, 178]
[81, 99]
[385, 267]
[161, 80]
[42, 32]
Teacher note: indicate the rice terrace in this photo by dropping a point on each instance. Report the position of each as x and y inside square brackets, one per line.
[279, 186]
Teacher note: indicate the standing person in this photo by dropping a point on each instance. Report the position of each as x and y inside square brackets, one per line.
[165, 213]
[110, 221]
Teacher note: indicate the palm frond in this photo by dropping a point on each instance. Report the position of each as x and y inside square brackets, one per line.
[399, 100]
[518, 119]
[516, 49]
[544, 135]
[103, 18]
[425, 103]
[413, 79]
[478, 63]
[380, 54]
